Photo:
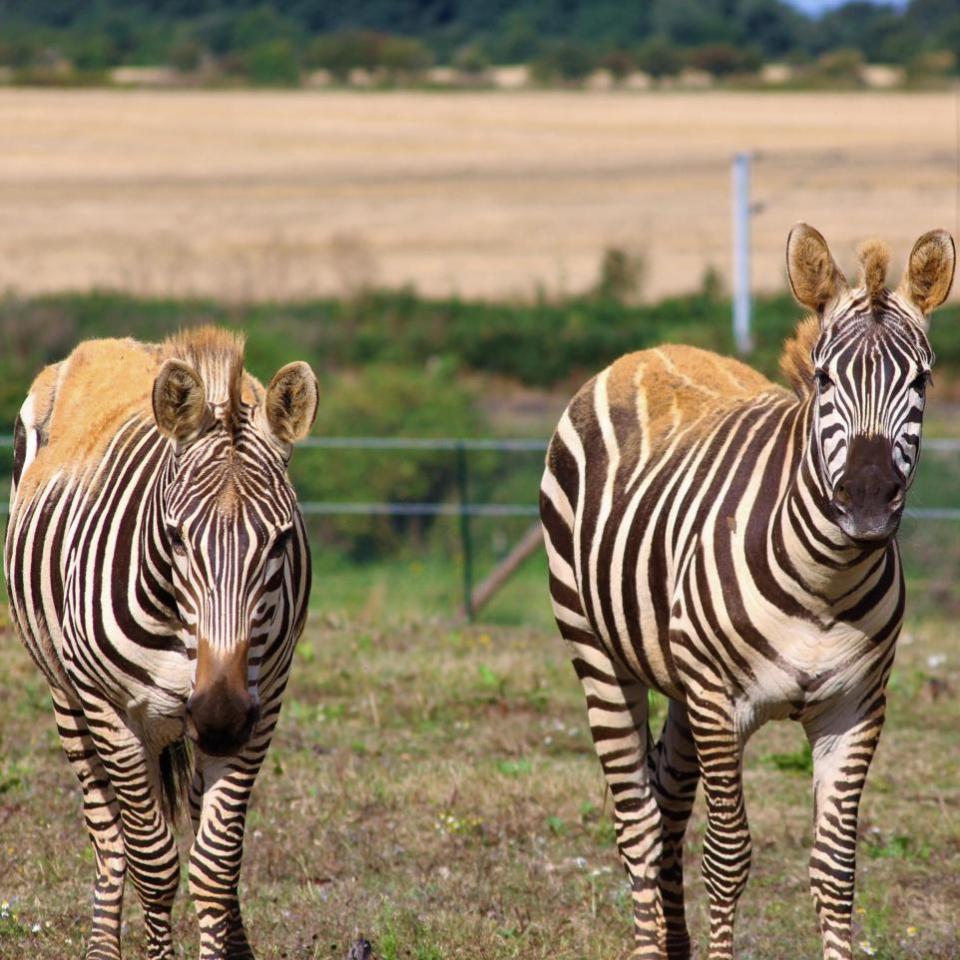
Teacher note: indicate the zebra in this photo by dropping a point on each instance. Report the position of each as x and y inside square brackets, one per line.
[730, 544]
[158, 573]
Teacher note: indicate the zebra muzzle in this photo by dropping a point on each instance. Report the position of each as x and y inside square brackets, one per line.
[870, 495]
[221, 718]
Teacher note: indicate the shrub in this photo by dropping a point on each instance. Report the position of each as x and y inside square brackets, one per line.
[659, 57]
[564, 61]
[272, 64]
[724, 59]
[622, 275]
[427, 400]
[843, 65]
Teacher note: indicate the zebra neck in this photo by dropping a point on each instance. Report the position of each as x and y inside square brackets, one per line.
[806, 535]
[155, 573]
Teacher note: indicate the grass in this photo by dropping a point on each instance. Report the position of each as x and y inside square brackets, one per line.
[434, 789]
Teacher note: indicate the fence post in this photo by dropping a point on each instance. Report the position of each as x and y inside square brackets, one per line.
[741, 253]
[465, 539]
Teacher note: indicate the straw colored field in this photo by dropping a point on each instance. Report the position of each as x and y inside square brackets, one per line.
[278, 195]
[435, 789]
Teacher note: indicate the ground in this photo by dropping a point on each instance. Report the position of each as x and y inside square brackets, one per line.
[278, 195]
[433, 787]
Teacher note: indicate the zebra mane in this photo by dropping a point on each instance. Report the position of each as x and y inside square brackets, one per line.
[217, 356]
[796, 361]
[874, 257]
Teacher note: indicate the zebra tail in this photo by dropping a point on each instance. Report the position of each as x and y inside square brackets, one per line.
[176, 771]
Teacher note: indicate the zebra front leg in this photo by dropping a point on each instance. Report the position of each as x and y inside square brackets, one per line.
[150, 846]
[842, 751]
[102, 816]
[726, 847]
[617, 713]
[217, 853]
[675, 772]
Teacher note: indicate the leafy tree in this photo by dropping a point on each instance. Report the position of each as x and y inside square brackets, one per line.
[563, 60]
[724, 59]
[659, 57]
[272, 64]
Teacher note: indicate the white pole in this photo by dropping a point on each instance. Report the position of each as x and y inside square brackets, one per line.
[741, 253]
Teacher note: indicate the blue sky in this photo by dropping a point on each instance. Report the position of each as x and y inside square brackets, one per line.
[818, 6]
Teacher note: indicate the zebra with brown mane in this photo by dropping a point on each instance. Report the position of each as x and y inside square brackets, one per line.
[730, 544]
[158, 573]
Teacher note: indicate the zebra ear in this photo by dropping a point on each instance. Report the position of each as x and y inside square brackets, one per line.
[291, 402]
[179, 401]
[929, 274]
[814, 275]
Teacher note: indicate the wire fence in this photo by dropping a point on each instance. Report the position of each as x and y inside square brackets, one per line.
[465, 509]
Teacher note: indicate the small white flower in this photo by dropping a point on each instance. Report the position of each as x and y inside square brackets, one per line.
[867, 947]
[35, 928]
[936, 660]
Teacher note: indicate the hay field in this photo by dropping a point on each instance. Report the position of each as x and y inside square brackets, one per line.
[266, 195]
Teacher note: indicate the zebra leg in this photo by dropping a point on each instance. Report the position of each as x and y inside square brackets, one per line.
[675, 771]
[842, 752]
[726, 847]
[102, 816]
[217, 853]
[617, 713]
[150, 846]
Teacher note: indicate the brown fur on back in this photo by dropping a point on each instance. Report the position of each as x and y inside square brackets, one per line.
[83, 401]
[676, 387]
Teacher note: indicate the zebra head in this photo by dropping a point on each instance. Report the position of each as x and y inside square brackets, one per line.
[229, 517]
[868, 371]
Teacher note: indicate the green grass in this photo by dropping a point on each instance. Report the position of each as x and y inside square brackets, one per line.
[433, 788]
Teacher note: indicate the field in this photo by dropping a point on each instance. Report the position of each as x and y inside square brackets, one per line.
[432, 785]
[246, 195]
[433, 788]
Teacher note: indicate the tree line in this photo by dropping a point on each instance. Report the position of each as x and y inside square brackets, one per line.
[274, 42]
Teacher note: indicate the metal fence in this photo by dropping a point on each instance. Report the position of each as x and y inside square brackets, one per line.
[465, 509]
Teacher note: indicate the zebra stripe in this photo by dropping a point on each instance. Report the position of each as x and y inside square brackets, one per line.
[726, 543]
[128, 569]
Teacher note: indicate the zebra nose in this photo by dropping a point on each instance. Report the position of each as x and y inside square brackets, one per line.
[220, 720]
[869, 487]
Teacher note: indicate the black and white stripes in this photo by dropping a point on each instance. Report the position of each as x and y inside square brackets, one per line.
[713, 537]
[159, 572]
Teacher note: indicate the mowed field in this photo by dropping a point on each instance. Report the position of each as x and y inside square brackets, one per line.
[278, 195]
[434, 789]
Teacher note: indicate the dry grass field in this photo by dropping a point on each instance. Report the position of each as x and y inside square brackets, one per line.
[277, 195]
[435, 789]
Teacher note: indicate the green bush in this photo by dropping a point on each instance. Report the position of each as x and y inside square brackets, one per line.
[659, 57]
[428, 400]
[272, 64]
[564, 61]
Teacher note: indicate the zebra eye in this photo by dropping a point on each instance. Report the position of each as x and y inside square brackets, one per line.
[921, 383]
[279, 546]
[823, 379]
[176, 541]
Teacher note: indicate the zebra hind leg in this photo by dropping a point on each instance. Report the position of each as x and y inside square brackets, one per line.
[102, 816]
[675, 772]
[151, 848]
[617, 713]
[727, 846]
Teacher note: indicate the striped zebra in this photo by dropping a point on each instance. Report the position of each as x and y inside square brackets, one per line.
[158, 573]
[728, 543]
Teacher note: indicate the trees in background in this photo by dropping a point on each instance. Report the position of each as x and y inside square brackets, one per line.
[272, 42]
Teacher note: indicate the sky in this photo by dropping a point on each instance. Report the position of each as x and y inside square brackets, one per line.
[818, 6]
